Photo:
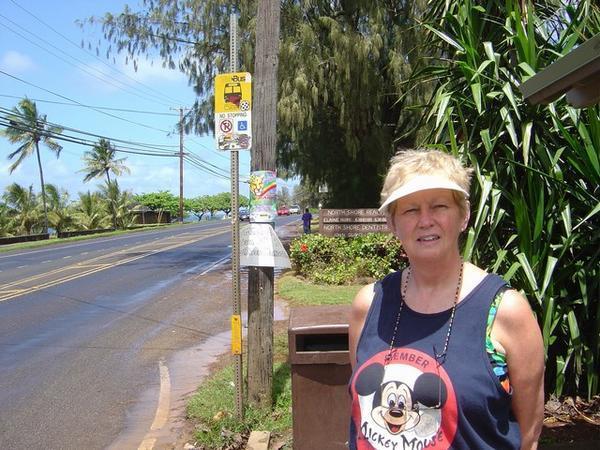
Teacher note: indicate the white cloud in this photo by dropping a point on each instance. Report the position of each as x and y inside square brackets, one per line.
[15, 62]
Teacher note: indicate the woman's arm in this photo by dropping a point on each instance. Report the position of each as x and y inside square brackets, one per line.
[517, 330]
[360, 308]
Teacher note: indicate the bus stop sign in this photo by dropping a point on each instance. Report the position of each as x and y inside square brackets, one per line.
[233, 108]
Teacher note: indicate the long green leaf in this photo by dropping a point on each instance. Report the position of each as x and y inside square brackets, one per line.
[445, 38]
[509, 125]
[526, 141]
[593, 212]
[528, 272]
[476, 90]
[550, 265]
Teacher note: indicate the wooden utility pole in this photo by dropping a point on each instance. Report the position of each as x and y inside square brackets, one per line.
[260, 279]
[180, 165]
[180, 216]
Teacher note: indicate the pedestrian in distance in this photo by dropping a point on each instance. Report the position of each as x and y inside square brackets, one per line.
[444, 354]
[306, 218]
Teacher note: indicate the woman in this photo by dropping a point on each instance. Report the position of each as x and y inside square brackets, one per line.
[444, 354]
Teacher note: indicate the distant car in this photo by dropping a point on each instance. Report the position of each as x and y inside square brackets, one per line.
[283, 211]
[295, 209]
[244, 214]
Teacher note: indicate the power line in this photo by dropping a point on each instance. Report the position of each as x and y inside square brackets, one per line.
[83, 67]
[162, 147]
[202, 161]
[205, 168]
[88, 143]
[170, 99]
[106, 108]
[81, 104]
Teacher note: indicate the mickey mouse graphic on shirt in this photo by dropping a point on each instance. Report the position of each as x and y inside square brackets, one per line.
[405, 401]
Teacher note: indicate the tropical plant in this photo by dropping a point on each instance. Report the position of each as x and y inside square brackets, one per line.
[23, 210]
[119, 204]
[5, 221]
[60, 213]
[537, 168]
[100, 161]
[339, 260]
[90, 212]
[28, 128]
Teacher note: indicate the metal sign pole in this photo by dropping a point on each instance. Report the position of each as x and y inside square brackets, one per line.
[236, 323]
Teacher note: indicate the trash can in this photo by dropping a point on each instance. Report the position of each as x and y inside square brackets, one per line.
[320, 366]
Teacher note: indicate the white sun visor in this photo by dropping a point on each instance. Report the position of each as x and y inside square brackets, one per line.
[421, 183]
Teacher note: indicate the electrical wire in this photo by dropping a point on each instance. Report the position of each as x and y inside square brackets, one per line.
[149, 88]
[83, 66]
[160, 147]
[106, 108]
[81, 104]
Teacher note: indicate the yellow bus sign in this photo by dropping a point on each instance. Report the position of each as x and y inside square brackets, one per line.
[233, 92]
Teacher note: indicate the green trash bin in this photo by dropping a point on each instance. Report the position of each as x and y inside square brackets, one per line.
[320, 367]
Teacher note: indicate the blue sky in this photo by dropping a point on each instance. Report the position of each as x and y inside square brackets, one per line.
[40, 52]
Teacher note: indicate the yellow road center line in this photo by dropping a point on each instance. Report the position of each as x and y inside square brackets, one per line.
[7, 295]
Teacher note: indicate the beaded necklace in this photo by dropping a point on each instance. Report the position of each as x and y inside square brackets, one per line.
[441, 356]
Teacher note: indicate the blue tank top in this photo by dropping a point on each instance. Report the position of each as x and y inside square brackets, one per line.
[406, 399]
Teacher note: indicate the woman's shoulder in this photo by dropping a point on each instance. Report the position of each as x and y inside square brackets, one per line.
[364, 297]
[473, 276]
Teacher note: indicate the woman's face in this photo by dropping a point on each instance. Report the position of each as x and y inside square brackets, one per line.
[428, 223]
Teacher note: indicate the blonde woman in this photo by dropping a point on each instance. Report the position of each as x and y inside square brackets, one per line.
[444, 354]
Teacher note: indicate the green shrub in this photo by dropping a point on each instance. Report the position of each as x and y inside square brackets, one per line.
[338, 260]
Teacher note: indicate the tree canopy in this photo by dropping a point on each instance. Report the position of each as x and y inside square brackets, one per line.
[342, 69]
[101, 160]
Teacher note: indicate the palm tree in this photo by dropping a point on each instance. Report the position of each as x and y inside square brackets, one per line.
[90, 211]
[119, 204]
[27, 127]
[61, 214]
[22, 207]
[6, 227]
[101, 161]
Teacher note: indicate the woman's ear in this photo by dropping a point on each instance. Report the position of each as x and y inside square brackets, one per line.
[465, 222]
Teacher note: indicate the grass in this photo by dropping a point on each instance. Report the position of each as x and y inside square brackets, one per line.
[54, 240]
[212, 407]
[299, 292]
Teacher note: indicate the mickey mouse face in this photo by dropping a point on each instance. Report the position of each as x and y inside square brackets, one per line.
[396, 411]
[395, 404]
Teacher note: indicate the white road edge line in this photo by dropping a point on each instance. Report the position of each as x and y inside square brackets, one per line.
[162, 409]
[218, 263]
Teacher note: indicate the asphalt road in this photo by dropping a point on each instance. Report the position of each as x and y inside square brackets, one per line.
[88, 329]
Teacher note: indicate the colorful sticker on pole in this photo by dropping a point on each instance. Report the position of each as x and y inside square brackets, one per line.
[263, 190]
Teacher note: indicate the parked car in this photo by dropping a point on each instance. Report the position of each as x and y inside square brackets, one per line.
[295, 209]
[283, 211]
[244, 214]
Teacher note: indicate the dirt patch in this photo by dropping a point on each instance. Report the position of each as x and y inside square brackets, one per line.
[571, 422]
